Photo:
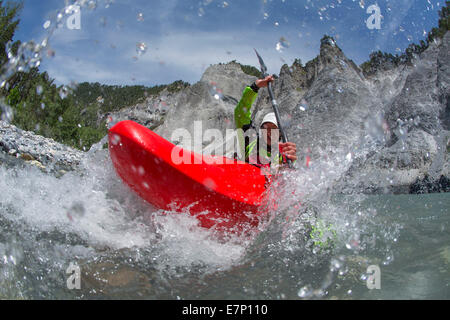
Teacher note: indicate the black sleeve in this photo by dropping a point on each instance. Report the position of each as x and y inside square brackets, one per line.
[254, 87]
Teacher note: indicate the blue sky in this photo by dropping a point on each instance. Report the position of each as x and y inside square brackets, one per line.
[184, 37]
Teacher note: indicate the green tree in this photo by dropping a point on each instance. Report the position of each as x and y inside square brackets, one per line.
[8, 26]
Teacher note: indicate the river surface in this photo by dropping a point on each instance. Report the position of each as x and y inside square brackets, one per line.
[123, 248]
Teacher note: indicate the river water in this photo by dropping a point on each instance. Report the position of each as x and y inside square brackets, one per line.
[123, 248]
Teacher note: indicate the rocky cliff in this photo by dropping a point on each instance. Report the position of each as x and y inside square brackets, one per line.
[415, 104]
[393, 126]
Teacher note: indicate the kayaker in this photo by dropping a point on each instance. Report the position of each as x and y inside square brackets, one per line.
[257, 146]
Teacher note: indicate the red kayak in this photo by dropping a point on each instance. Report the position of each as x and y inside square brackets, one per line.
[225, 194]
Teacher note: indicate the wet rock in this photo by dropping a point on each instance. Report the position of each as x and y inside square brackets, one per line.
[107, 278]
[38, 165]
[36, 150]
[27, 157]
[428, 185]
[415, 112]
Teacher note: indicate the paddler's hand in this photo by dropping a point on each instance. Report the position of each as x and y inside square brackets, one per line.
[289, 149]
[262, 83]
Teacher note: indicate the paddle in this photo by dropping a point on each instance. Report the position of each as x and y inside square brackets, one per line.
[274, 104]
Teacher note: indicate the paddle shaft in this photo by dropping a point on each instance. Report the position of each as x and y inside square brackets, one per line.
[284, 137]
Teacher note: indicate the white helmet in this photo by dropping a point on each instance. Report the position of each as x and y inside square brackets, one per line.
[270, 117]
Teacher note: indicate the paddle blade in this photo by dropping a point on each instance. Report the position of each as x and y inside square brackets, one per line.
[262, 64]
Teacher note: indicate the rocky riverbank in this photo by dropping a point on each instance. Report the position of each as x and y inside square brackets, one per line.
[18, 147]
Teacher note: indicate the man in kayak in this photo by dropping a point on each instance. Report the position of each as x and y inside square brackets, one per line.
[258, 151]
[323, 235]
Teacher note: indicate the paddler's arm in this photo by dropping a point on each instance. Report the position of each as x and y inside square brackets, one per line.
[243, 118]
[242, 112]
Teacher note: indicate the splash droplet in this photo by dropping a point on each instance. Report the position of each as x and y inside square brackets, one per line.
[304, 292]
[39, 90]
[349, 157]
[282, 44]
[92, 5]
[50, 53]
[47, 24]
[216, 92]
[64, 92]
[141, 48]
[115, 140]
[7, 113]
[210, 184]
[303, 106]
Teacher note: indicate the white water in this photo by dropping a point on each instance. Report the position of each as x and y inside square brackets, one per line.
[91, 218]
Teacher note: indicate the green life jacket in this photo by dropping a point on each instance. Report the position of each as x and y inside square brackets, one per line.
[243, 120]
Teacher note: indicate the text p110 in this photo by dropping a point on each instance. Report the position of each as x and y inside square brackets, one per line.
[242, 309]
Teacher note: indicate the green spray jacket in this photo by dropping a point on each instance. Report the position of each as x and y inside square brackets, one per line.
[243, 120]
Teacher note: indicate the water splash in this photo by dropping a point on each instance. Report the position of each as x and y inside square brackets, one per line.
[6, 112]
[215, 92]
[282, 45]
[141, 48]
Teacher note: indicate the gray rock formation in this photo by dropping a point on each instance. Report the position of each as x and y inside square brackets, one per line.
[212, 101]
[394, 124]
[151, 113]
[416, 106]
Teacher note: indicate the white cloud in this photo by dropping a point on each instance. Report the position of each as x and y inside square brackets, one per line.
[65, 69]
[171, 56]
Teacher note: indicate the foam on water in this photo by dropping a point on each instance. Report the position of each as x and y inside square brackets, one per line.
[90, 213]
[72, 203]
[104, 217]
